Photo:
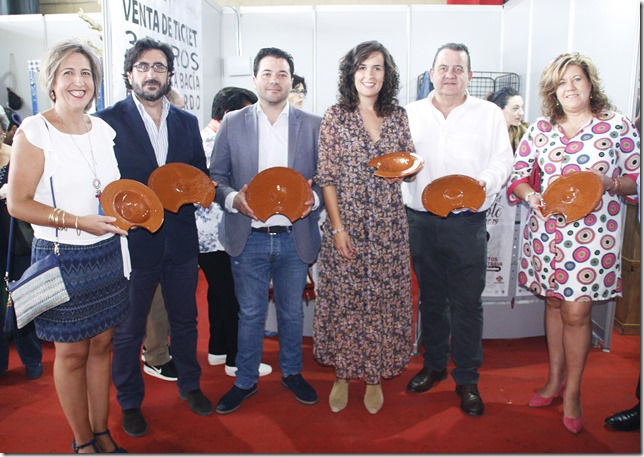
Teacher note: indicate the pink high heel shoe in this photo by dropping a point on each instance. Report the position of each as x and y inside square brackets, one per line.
[573, 425]
[537, 401]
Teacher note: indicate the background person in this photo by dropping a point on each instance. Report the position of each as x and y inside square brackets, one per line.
[456, 134]
[223, 307]
[573, 265]
[249, 141]
[64, 153]
[27, 343]
[511, 103]
[298, 93]
[363, 310]
[150, 132]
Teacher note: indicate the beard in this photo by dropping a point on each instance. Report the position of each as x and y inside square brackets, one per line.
[151, 96]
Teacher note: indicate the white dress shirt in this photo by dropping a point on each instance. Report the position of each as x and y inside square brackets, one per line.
[473, 141]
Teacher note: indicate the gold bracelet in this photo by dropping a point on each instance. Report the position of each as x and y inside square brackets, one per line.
[63, 227]
[338, 230]
[51, 217]
[56, 216]
[78, 232]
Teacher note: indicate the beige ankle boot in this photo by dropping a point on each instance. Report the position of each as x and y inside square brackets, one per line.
[373, 398]
[339, 396]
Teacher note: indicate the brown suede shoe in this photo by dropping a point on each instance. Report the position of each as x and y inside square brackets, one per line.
[339, 396]
[373, 398]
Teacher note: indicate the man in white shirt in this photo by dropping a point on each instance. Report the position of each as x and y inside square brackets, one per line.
[268, 134]
[455, 134]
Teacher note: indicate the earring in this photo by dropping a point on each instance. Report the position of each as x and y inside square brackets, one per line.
[52, 94]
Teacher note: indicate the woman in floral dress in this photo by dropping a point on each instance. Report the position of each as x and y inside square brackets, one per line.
[363, 312]
[576, 264]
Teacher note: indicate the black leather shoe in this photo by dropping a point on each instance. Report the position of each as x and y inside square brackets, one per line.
[625, 421]
[426, 379]
[471, 401]
[233, 399]
[134, 423]
[198, 402]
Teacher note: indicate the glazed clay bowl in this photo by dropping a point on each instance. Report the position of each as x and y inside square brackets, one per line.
[573, 195]
[443, 195]
[396, 164]
[278, 190]
[177, 184]
[133, 204]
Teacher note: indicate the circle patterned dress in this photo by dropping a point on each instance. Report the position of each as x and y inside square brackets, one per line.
[579, 261]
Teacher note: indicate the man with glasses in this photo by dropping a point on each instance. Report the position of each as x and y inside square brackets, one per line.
[298, 93]
[150, 132]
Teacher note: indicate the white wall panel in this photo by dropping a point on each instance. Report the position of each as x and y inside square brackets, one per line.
[342, 28]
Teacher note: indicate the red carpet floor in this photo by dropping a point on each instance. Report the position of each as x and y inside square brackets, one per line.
[31, 420]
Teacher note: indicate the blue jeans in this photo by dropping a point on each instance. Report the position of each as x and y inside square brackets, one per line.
[267, 257]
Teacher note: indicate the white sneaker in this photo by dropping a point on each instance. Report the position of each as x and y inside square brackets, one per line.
[214, 359]
[264, 369]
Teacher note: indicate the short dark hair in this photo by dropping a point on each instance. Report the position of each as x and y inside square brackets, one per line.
[347, 92]
[500, 97]
[297, 80]
[273, 52]
[231, 99]
[140, 46]
[460, 47]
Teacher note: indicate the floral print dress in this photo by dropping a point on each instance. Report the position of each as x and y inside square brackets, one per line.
[363, 310]
[580, 261]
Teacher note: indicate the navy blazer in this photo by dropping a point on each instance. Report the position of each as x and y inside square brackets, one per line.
[235, 163]
[177, 237]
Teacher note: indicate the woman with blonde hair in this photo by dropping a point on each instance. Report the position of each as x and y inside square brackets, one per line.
[573, 265]
[62, 160]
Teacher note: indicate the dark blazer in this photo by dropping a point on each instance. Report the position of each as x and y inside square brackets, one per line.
[177, 237]
[235, 163]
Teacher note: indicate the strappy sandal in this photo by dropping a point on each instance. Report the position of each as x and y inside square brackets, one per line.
[117, 449]
[81, 446]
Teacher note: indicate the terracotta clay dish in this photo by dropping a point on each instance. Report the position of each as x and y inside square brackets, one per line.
[396, 164]
[132, 204]
[573, 195]
[278, 190]
[177, 184]
[451, 192]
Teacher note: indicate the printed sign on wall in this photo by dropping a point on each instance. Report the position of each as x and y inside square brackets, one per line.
[175, 22]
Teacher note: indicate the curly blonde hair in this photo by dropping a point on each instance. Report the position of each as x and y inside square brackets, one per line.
[551, 76]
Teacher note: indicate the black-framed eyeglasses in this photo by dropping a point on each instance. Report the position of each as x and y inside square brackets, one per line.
[144, 67]
[298, 91]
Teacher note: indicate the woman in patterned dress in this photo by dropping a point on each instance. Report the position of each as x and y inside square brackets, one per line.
[363, 312]
[573, 265]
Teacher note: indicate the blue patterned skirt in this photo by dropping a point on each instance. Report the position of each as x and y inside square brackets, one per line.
[93, 275]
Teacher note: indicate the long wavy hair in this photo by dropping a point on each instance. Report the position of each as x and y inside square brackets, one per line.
[387, 100]
[551, 76]
[500, 98]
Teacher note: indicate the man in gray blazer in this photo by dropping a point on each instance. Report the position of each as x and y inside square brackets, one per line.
[268, 134]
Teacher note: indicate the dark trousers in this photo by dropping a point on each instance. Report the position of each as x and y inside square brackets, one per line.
[179, 286]
[449, 257]
[223, 307]
[28, 345]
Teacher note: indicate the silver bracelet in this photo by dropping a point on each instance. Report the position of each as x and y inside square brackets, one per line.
[338, 230]
[528, 195]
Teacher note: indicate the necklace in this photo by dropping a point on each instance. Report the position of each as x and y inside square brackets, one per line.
[96, 183]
